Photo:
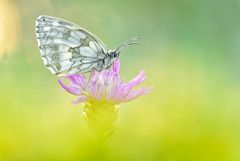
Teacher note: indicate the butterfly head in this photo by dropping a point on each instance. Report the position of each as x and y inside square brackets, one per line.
[114, 54]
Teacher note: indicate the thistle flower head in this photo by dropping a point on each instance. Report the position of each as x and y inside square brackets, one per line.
[101, 93]
[104, 86]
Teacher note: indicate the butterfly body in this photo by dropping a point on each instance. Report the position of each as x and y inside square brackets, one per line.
[67, 48]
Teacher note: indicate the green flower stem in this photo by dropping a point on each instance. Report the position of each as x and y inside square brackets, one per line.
[101, 117]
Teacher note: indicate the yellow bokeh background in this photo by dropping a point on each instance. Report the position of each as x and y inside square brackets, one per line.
[189, 50]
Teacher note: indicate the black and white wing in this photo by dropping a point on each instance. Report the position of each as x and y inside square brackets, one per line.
[67, 48]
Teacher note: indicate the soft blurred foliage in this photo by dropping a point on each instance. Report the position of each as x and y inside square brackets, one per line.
[190, 52]
[9, 28]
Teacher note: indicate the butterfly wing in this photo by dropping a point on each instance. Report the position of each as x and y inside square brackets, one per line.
[67, 48]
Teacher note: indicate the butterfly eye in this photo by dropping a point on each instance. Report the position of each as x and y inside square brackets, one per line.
[115, 54]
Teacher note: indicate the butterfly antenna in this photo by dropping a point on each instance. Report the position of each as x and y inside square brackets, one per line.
[132, 41]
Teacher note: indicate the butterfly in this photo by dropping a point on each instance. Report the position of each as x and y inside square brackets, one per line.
[67, 48]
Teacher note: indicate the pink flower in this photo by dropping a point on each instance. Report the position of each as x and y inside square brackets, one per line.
[104, 86]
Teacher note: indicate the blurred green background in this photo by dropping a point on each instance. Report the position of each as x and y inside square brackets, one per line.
[189, 50]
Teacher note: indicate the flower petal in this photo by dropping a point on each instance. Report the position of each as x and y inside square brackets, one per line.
[136, 81]
[77, 80]
[79, 100]
[116, 66]
[70, 89]
[136, 93]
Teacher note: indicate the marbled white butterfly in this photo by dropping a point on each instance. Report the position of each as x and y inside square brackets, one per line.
[67, 48]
